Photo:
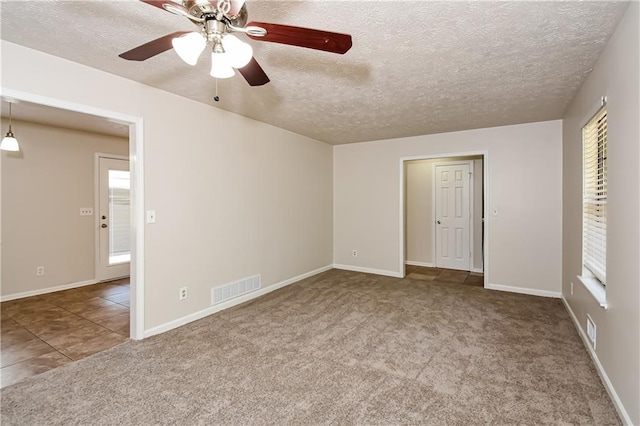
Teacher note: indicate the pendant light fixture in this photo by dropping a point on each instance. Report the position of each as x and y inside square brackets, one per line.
[9, 142]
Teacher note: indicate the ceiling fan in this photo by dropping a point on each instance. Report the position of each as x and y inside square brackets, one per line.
[217, 20]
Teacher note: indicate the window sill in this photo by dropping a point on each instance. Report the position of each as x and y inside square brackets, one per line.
[596, 289]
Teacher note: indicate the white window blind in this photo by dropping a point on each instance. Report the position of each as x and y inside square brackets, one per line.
[119, 208]
[594, 226]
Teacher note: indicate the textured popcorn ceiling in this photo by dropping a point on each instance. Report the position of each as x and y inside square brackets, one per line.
[415, 68]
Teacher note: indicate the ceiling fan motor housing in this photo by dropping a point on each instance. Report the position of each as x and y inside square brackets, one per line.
[206, 9]
[199, 8]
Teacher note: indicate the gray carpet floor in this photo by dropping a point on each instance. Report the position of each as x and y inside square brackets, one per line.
[337, 348]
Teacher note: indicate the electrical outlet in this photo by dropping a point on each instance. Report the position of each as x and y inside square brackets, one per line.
[572, 288]
[183, 293]
[86, 211]
[40, 271]
[354, 253]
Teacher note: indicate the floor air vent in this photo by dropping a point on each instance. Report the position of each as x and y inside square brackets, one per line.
[232, 290]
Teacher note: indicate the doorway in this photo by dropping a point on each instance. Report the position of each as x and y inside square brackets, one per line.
[442, 210]
[136, 154]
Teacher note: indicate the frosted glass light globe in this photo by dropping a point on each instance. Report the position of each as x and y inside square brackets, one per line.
[189, 47]
[9, 143]
[240, 53]
[220, 66]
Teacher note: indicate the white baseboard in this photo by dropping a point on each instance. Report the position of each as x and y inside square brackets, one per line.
[226, 305]
[46, 290]
[368, 270]
[601, 372]
[524, 290]
[423, 264]
[477, 270]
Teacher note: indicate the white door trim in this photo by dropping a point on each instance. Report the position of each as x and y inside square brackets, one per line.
[96, 205]
[433, 206]
[136, 163]
[485, 184]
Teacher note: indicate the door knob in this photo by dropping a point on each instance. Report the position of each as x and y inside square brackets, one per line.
[438, 222]
[104, 225]
[103, 217]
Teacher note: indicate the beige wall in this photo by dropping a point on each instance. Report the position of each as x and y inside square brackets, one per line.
[418, 215]
[524, 174]
[233, 197]
[43, 188]
[419, 212]
[618, 328]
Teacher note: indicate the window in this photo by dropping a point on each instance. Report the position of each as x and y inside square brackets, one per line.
[594, 198]
[119, 185]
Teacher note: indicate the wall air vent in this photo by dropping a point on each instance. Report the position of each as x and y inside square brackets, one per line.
[591, 332]
[235, 289]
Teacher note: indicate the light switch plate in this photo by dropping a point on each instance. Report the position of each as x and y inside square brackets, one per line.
[151, 216]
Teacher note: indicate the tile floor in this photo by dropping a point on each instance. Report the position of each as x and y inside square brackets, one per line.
[40, 333]
[444, 275]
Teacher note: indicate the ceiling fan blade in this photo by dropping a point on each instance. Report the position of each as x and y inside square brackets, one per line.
[152, 48]
[303, 37]
[254, 74]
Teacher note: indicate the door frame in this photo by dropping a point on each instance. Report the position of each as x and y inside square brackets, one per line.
[402, 201]
[433, 207]
[96, 206]
[136, 167]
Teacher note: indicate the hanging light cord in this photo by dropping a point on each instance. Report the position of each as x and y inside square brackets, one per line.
[10, 120]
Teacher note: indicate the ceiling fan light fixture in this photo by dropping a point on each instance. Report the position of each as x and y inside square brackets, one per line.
[9, 142]
[189, 47]
[220, 66]
[216, 20]
[240, 53]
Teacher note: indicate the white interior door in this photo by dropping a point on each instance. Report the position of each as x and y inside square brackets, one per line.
[452, 216]
[114, 254]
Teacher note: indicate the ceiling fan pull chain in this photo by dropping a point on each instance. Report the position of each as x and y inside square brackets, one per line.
[216, 97]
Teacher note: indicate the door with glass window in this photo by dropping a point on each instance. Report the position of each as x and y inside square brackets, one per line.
[114, 236]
